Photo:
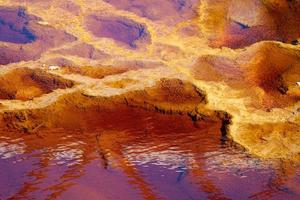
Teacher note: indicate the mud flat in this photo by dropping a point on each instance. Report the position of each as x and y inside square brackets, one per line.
[173, 99]
[209, 60]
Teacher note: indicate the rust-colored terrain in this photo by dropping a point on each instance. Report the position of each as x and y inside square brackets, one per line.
[234, 62]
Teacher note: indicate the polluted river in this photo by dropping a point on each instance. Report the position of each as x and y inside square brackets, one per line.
[136, 154]
[149, 99]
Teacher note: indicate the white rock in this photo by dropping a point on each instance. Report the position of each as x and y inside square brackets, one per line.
[53, 67]
[44, 23]
[298, 83]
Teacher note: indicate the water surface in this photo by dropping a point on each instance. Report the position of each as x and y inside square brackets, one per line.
[138, 155]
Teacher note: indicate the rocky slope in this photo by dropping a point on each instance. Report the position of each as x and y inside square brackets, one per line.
[208, 59]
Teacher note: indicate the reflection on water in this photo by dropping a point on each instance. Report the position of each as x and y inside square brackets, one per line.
[11, 148]
[139, 155]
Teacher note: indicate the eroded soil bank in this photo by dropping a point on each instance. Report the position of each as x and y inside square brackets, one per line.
[74, 110]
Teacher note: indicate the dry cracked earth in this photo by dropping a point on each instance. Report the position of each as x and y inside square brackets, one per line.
[235, 62]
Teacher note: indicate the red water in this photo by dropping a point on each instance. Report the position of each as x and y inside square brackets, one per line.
[138, 155]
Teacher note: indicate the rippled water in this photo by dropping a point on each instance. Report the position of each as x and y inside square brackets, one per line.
[138, 155]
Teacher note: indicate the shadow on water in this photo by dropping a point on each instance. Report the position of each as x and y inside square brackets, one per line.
[135, 154]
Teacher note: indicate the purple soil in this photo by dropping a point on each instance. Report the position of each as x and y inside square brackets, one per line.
[238, 35]
[173, 11]
[84, 51]
[281, 23]
[120, 29]
[27, 39]
[14, 27]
